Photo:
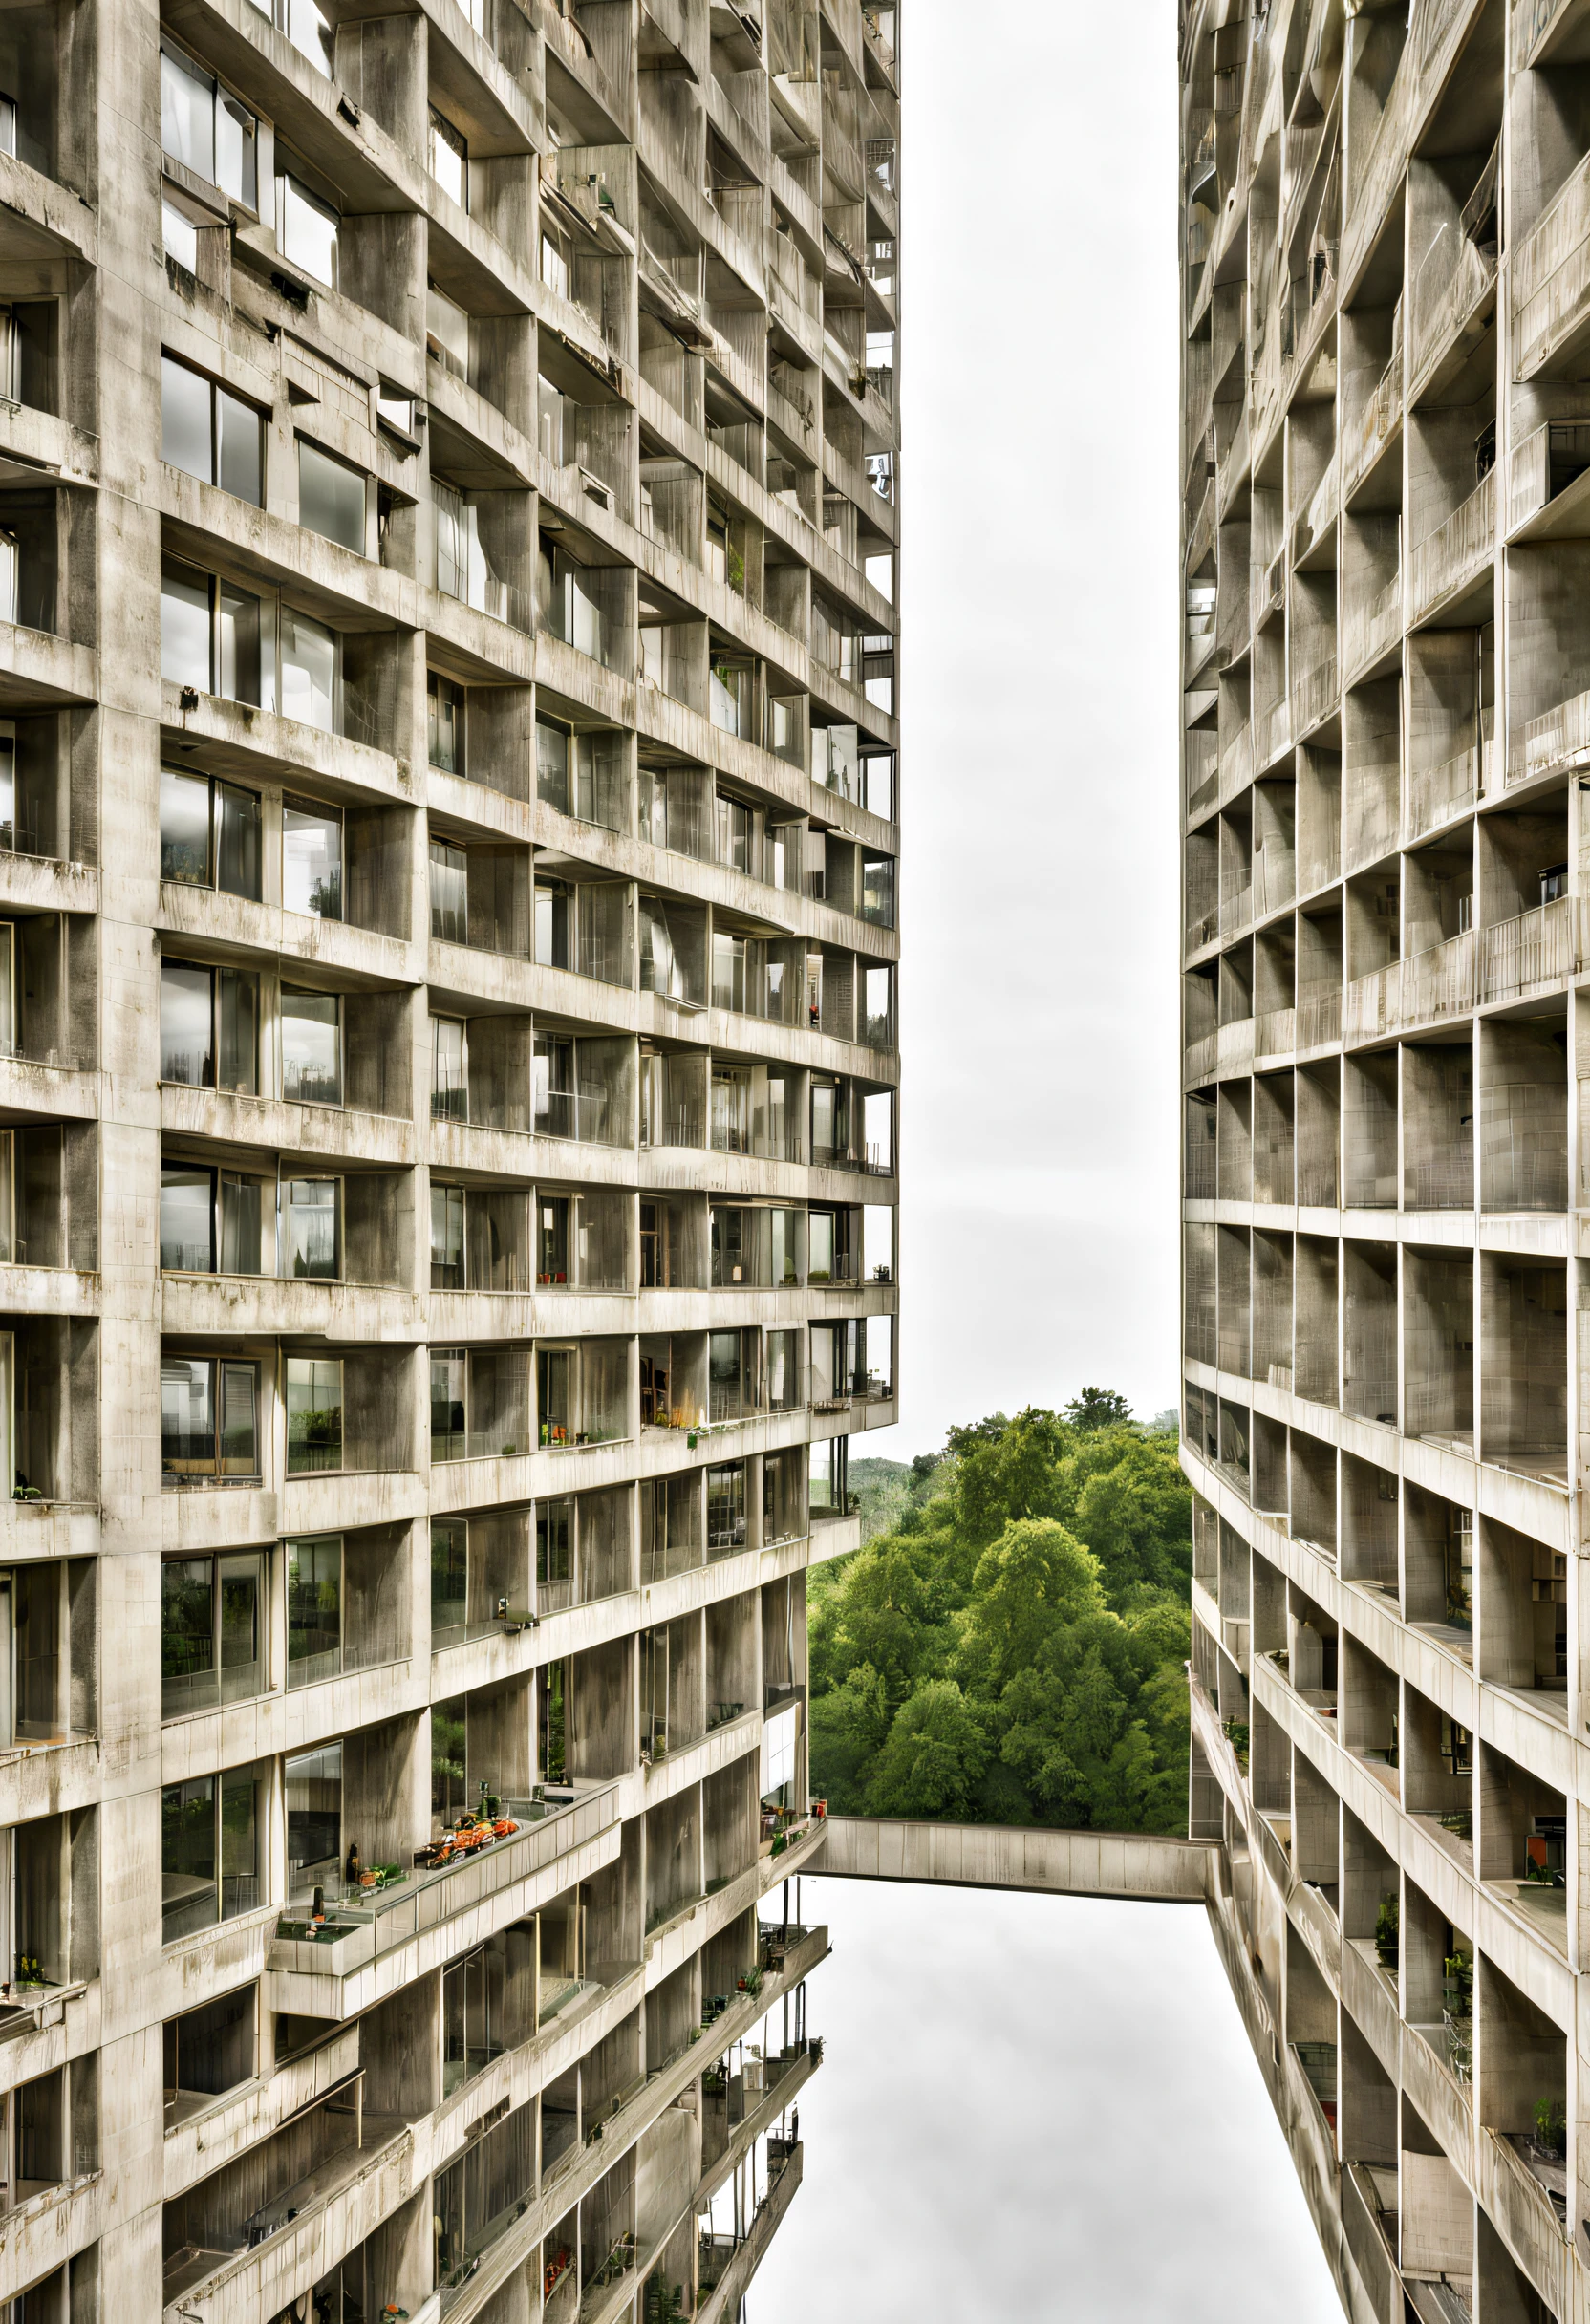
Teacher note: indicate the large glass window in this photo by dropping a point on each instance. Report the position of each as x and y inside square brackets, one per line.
[444, 704]
[311, 1048]
[449, 893]
[447, 1272]
[313, 1781]
[209, 1851]
[314, 1414]
[449, 1084]
[313, 1610]
[207, 129]
[212, 1631]
[471, 2014]
[449, 159]
[210, 834]
[449, 1404]
[726, 1508]
[209, 1418]
[216, 637]
[449, 1579]
[312, 859]
[784, 1372]
[209, 433]
[210, 1027]
[310, 1223]
[306, 229]
[555, 1555]
[213, 1222]
[330, 497]
[311, 662]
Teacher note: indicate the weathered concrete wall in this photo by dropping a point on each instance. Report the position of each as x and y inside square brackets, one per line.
[1143, 1865]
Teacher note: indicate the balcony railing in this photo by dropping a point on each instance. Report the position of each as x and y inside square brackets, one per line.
[1480, 966]
[1458, 550]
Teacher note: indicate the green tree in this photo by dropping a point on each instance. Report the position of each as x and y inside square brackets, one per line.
[1098, 1407]
[935, 1753]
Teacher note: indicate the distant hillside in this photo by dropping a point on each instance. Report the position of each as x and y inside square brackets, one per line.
[887, 1489]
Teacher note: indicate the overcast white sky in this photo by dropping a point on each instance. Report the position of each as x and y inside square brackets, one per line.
[1033, 2107]
[1038, 692]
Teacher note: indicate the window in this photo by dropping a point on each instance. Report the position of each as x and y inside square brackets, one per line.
[312, 859]
[472, 2009]
[449, 893]
[205, 128]
[313, 1782]
[210, 834]
[312, 1243]
[446, 330]
[731, 696]
[214, 1221]
[877, 890]
[314, 1414]
[877, 1007]
[209, 433]
[29, 361]
[449, 1579]
[209, 1418]
[552, 1086]
[212, 1631]
[311, 1048]
[554, 1556]
[574, 605]
[306, 229]
[449, 1078]
[208, 2050]
[555, 266]
[449, 1439]
[444, 715]
[877, 1243]
[330, 497]
[784, 1372]
[447, 1271]
[829, 1476]
[178, 235]
[215, 637]
[210, 1027]
[555, 1394]
[581, 774]
[209, 1851]
[726, 1508]
[313, 1610]
[449, 159]
[311, 657]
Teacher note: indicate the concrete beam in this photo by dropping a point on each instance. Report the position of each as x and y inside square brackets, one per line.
[1141, 1864]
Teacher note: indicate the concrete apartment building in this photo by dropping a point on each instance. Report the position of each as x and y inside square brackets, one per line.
[1387, 1076]
[447, 1130]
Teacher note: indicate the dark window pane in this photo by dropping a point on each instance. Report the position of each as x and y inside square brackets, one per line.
[331, 497]
[238, 469]
[238, 1007]
[239, 1423]
[187, 1858]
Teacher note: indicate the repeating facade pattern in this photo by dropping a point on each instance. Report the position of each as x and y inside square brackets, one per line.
[1385, 957]
[448, 1130]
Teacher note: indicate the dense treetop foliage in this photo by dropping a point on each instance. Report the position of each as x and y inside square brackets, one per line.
[1011, 1647]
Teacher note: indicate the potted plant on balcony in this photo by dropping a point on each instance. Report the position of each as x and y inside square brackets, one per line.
[1551, 2130]
[1387, 1933]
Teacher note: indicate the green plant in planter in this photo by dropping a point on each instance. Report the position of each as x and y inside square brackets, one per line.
[1551, 2126]
[1387, 1932]
[30, 1970]
[664, 2302]
[1458, 1983]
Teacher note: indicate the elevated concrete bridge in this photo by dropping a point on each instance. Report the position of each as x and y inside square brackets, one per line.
[1137, 1864]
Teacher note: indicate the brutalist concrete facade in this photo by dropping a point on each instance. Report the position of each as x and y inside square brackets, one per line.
[447, 1129]
[1387, 1097]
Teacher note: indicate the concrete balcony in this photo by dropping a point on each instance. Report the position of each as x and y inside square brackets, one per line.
[1454, 294]
[1557, 741]
[1456, 557]
[732, 2269]
[367, 1953]
[228, 1304]
[43, 2231]
[201, 2134]
[324, 1131]
[1315, 695]
[1551, 281]
[1481, 967]
[1377, 429]
[361, 954]
[335, 2207]
[1370, 632]
[242, 741]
